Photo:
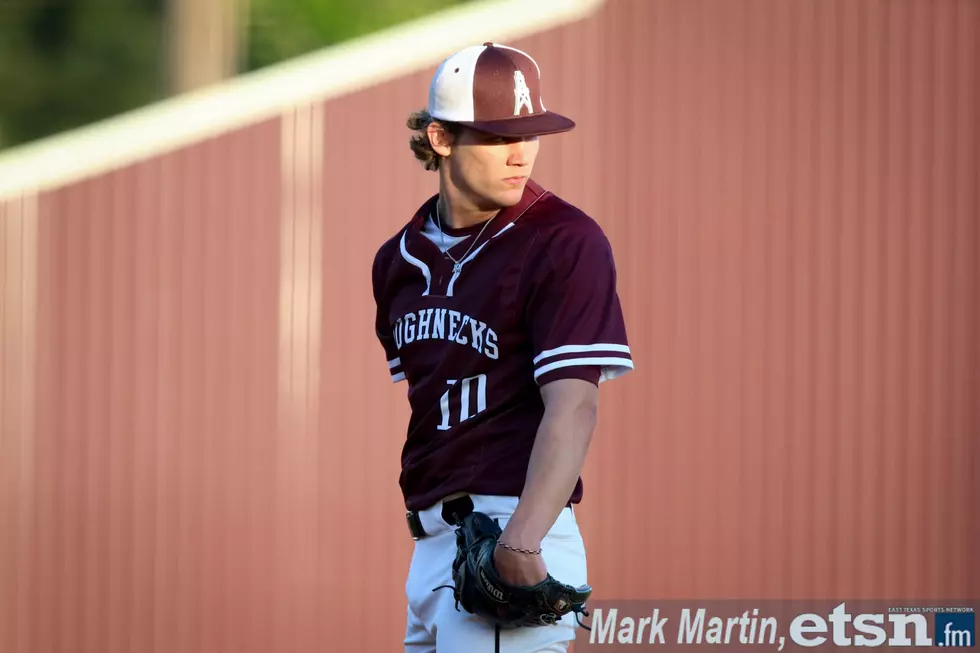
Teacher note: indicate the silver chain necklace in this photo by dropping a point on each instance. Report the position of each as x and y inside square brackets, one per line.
[458, 265]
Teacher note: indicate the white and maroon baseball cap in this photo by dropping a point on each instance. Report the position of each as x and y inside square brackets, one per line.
[495, 89]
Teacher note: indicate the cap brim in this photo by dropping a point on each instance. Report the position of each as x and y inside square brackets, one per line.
[540, 124]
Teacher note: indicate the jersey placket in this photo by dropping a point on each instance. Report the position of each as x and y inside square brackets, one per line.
[446, 273]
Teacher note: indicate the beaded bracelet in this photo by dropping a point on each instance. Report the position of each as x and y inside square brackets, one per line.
[514, 548]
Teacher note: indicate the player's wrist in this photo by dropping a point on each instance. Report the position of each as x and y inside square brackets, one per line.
[521, 535]
[517, 549]
[518, 542]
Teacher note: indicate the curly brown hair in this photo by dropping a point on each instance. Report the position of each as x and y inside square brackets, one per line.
[419, 122]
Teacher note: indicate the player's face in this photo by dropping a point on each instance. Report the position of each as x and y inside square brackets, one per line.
[492, 170]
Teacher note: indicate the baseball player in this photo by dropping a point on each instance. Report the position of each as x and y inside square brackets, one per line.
[497, 306]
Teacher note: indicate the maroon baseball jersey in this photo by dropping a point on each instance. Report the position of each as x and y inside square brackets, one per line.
[533, 299]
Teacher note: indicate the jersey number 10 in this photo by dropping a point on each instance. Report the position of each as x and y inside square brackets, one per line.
[466, 399]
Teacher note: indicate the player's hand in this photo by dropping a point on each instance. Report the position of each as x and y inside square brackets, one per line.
[519, 568]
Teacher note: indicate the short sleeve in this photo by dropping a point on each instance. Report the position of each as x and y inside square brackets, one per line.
[382, 327]
[573, 309]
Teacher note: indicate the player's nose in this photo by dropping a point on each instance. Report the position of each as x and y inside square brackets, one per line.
[518, 152]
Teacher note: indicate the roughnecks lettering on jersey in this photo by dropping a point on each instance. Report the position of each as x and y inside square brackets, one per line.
[445, 324]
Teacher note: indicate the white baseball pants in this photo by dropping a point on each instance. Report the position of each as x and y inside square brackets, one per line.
[435, 626]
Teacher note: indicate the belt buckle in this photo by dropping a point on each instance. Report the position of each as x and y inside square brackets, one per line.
[415, 525]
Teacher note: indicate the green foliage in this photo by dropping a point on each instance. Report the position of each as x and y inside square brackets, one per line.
[281, 29]
[67, 63]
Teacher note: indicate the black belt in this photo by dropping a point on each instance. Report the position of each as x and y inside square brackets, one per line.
[453, 512]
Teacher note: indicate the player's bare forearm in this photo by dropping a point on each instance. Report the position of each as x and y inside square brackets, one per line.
[561, 444]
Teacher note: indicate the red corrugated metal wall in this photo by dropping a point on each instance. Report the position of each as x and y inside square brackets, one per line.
[200, 441]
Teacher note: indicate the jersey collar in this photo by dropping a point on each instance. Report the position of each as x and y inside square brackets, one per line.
[533, 192]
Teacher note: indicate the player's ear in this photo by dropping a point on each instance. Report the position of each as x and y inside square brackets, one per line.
[440, 138]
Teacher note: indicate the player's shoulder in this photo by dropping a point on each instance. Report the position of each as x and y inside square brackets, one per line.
[558, 223]
[381, 264]
[389, 249]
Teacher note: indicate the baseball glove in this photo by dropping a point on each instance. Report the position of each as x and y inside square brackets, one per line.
[481, 592]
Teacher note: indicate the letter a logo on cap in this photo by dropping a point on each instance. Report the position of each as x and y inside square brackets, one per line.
[522, 94]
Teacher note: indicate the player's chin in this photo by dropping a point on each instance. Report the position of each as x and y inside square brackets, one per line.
[511, 195]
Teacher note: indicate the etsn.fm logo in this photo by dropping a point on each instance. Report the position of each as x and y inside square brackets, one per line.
[955, 629]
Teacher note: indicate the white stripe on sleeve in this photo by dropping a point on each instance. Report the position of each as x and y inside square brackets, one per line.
[619, 363]
[580, 349]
